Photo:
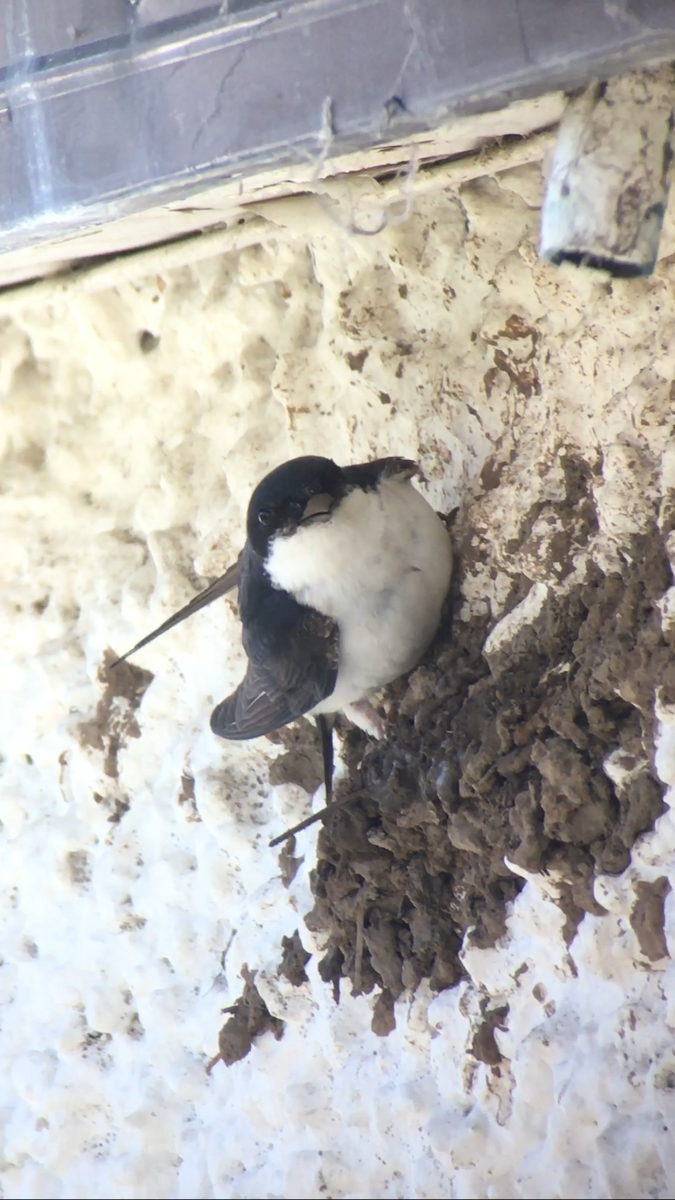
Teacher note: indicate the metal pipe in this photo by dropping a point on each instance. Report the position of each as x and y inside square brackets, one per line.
[607, 188]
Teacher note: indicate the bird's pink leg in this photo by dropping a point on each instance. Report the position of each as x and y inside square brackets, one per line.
[365, 716]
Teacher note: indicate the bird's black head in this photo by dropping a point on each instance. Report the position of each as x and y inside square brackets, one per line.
[299, 492]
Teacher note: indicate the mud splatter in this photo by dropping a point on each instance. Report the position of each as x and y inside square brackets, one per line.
[249, 1019]
[301, 763]
[648, 918]
[289, 862]
[484, 1044]
[114, 720]
[294, 960]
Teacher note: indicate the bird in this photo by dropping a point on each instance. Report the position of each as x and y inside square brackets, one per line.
[341, 585]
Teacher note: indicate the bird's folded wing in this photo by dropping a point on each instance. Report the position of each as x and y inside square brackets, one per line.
[286, 678]
[369, 475]
[220, 587]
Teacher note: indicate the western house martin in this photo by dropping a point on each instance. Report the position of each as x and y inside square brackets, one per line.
[341, 584]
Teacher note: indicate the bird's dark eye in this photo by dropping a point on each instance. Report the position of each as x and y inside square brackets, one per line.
[265, 516]
[297, 507]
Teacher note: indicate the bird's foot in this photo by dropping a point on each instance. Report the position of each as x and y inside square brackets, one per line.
[363, 714]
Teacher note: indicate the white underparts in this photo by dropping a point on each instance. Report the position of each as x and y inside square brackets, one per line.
[380, 568]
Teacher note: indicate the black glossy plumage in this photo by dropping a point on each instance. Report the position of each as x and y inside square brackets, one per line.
[292, 656]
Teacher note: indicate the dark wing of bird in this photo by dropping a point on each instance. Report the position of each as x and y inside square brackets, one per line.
[370, 474]
[293, 657]
[220, 587]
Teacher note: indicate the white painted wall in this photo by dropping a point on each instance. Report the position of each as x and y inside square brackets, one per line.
[124, 482]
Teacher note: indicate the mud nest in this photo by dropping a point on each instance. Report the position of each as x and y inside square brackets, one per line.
[488, 759]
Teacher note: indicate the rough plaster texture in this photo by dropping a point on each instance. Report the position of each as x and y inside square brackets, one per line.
[136, 879]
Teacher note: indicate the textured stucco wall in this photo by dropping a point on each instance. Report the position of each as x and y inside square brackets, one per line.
[134, 846]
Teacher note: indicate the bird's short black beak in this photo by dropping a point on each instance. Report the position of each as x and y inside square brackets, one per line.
[318, 508]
